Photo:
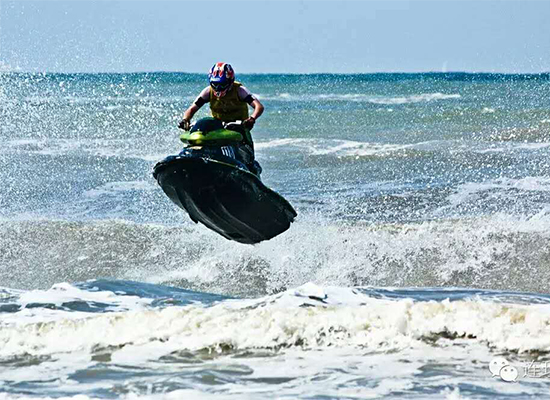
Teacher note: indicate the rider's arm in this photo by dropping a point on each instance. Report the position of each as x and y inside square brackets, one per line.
[188, 114]
[201, 100]
[258, 108]
[247, 97]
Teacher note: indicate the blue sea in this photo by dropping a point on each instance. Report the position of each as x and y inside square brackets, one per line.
[419, 258]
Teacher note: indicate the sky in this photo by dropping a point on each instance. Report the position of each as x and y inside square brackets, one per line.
[275, 36]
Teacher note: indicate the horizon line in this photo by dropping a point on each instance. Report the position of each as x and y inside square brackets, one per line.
[280, 73]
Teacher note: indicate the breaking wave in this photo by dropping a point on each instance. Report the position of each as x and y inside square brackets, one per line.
[466, 252]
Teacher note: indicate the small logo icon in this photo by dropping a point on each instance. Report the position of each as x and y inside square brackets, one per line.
[497, 364]
[501, 367]
[509, 373]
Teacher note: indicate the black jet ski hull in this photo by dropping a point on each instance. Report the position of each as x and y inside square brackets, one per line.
[224, 196]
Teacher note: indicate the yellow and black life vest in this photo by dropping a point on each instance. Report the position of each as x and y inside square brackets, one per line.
[228, 108]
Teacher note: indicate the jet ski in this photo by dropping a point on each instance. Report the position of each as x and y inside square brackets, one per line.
[216, 180]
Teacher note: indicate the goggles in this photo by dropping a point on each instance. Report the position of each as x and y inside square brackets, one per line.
[220, 86]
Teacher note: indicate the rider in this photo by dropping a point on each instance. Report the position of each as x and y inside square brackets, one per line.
[228, 100]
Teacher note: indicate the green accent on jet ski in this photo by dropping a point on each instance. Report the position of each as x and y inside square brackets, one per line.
[218, 137]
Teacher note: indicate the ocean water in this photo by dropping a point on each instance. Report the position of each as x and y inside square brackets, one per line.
[419, 255]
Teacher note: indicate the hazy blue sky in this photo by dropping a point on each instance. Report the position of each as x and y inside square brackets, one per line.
[276, 36]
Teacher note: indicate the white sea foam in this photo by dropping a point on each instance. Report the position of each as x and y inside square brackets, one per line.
[346, 148]
[340, 148]
[533, 146]
[133, 107]
[339, 317]
[472, 190]
[463, 252]
[258, 145]
[63, 293]
[363, 98]
[454, 394]
[334, 373]
[329, 339]
[513, 146]
[425, 97]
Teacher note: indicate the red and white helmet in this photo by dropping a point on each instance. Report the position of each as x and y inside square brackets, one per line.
[221, 77]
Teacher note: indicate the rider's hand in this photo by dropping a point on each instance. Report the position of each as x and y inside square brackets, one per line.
[249, 123]
[185, 124]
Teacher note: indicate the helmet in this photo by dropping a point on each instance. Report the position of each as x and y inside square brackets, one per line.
[221, 77]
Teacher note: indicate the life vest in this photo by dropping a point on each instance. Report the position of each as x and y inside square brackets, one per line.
[228, 108]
